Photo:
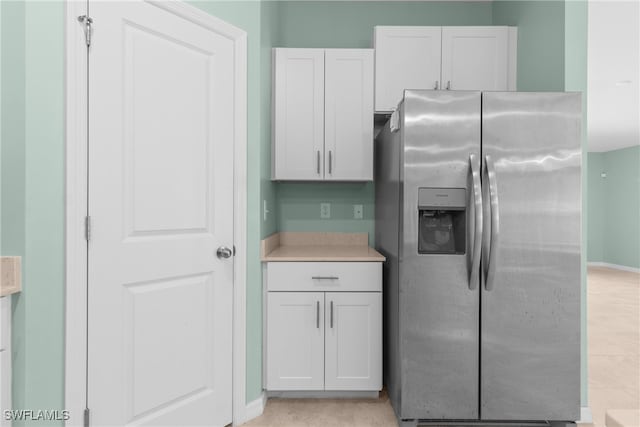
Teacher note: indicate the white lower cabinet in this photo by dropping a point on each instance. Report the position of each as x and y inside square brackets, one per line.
[295, 349]
[353, 340]
[327, 340]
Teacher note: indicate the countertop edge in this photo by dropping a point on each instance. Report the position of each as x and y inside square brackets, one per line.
[271, 247]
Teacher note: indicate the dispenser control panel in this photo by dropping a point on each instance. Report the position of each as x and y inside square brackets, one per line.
[442, 221]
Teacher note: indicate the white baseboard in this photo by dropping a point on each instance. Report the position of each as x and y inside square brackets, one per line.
[324, 394]
[253, 410]
[614, 266]
[585, 416]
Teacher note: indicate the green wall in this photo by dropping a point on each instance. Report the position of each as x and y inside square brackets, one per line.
[350, 23]
[270, 25]
[614, 207]
[43, 295]
[33, 194]
[622, 207]
[540, 41]
[595, 207]
[342, 24]
[12, 158]
[12, 128]
[299, 207]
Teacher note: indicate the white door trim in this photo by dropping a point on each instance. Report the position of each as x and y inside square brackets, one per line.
[76, 204]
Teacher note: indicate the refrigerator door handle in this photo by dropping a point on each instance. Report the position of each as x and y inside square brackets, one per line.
[477, 209]
[495, 222]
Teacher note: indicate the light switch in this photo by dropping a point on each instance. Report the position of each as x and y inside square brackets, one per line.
[265, 211]
[10, 275]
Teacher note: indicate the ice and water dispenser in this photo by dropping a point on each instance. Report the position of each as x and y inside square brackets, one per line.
[442, 220]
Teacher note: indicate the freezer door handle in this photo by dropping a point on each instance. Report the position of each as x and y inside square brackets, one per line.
[477, 209]
[495, 223]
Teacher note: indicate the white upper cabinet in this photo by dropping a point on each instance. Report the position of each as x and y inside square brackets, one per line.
[445, 58]
[475, 58]
[406, 58]
[323, 115]
[348, 115]
[298, 126]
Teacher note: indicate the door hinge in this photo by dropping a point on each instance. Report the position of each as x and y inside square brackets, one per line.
[86, 417]
[86, 21]
[87, 227]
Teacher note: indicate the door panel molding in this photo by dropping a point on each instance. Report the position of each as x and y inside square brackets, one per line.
[76, 202]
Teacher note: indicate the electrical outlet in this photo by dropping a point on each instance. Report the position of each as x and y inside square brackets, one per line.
[265, 211]
[357, 212]
[325, 210]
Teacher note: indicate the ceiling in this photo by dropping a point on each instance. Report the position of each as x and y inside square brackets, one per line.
[613, 102]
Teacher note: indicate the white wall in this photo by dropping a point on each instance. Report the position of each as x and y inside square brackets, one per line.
[614, 56]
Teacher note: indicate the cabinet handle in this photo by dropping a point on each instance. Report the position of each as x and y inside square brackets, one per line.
[324, 277]
[330, 161]
[448, 84]
[435, 87]
[318, 314]
[318, 162]
[331, 314]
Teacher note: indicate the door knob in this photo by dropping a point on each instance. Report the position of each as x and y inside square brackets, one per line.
[224, 252]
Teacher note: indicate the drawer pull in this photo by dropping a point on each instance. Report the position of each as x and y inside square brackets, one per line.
[318, 314]
[324, 277]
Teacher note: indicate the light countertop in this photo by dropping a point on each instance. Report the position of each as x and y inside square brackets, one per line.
[311, 246]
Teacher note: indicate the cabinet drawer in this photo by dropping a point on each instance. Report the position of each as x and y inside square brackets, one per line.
[324, 276]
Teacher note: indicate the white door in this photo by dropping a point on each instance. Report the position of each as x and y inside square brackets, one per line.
[406, 58]
[161, 108]
[298, 133]
[475, 58]
[295, 341]
[348, 115]
[353, 339]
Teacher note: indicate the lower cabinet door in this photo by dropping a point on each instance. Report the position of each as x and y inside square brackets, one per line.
[353, 341]
[295, 340]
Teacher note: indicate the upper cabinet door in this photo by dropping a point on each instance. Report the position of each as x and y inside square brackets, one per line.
[298, 127]
[406, 58]
[348, 154]
[475, 58]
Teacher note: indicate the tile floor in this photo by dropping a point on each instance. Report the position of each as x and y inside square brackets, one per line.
[614, 365]
[327, 413]
[613, 311]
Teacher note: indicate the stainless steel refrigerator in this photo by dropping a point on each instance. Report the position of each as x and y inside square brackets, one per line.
[478, 211]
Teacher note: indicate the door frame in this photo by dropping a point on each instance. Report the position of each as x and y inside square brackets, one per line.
[76, 188]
